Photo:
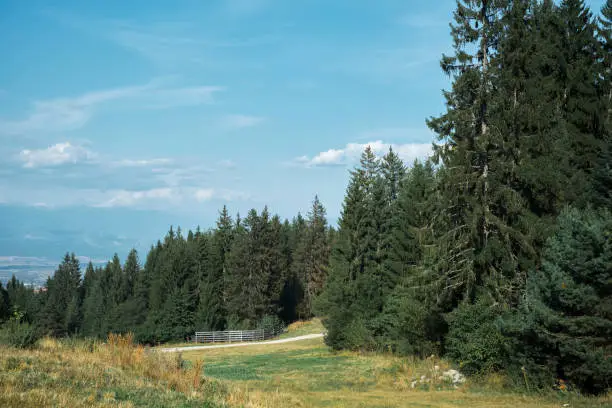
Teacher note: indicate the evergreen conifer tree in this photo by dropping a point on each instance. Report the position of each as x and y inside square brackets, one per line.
[312, 258]
[563, 326]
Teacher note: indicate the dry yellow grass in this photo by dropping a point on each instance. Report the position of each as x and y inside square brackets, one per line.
[116, 373]
[302, 327]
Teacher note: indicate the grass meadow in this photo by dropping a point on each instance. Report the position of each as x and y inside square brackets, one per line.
[118, 373]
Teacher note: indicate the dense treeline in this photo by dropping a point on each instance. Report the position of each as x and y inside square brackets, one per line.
[495, 252]
[242, 274]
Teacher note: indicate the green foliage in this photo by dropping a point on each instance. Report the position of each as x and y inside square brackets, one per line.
[474, 340]
[229, 277]
[5, 304]
[61, 312]
[16, 332]
[452, 255]
[563, 326]
[409, 325]
[271, 324]
[311, 259]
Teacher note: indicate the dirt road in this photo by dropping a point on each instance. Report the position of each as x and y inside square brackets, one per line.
[257, 343]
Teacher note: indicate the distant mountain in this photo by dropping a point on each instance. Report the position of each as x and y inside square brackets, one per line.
[33, 270]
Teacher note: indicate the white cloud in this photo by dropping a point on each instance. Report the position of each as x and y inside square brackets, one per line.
[34, 237]
[352, 151]
[160, 198]
[204, 194]
[58, 154]
[233, 122]
[332, 156]
[165, 197]
[61, 114]
[41, 205]
[142, 162]
[125, 198]
[85, 259]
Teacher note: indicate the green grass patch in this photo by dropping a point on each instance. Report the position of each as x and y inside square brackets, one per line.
[301, 328]
[306, 373]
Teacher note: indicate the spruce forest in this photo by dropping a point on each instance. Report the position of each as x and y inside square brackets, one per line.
[495, 252]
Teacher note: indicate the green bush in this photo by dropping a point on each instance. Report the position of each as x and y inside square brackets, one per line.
[272, 324]
[18, 333]
[410, 326]
[474, 340]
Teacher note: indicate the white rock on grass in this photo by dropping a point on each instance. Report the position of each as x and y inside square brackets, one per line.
[454, 376]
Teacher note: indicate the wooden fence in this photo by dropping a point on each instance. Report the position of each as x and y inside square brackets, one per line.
[233, 336]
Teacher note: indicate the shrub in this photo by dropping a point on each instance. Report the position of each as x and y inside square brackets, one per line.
[18, 333]
[409, 326]
[272, 324]
[474, 340]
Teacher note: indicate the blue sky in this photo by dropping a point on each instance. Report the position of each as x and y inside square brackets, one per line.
[120, 118]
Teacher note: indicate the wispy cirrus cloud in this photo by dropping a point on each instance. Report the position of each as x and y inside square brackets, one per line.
[352, 151]
[161, 198]
[422, 20]
[173, 43]
[390, 64]
[67, 174]
[55, 155]
[68, 113]
[126, 198]
[234, 122]
[142, 162]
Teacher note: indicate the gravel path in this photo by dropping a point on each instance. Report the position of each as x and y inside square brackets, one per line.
[289, 340]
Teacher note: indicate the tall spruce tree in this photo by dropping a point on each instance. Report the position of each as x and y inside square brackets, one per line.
[292, 291]
[476, 252]
[603, 168]
[408, 322]
[393, 175]
[247, 273]
[278, 268]
[61, 313]
[312, 258]
[577, 80]
[353, 296]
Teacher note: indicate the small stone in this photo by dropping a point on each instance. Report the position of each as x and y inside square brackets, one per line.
[454, 376]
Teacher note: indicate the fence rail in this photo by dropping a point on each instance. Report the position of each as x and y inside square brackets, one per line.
[233, 336]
